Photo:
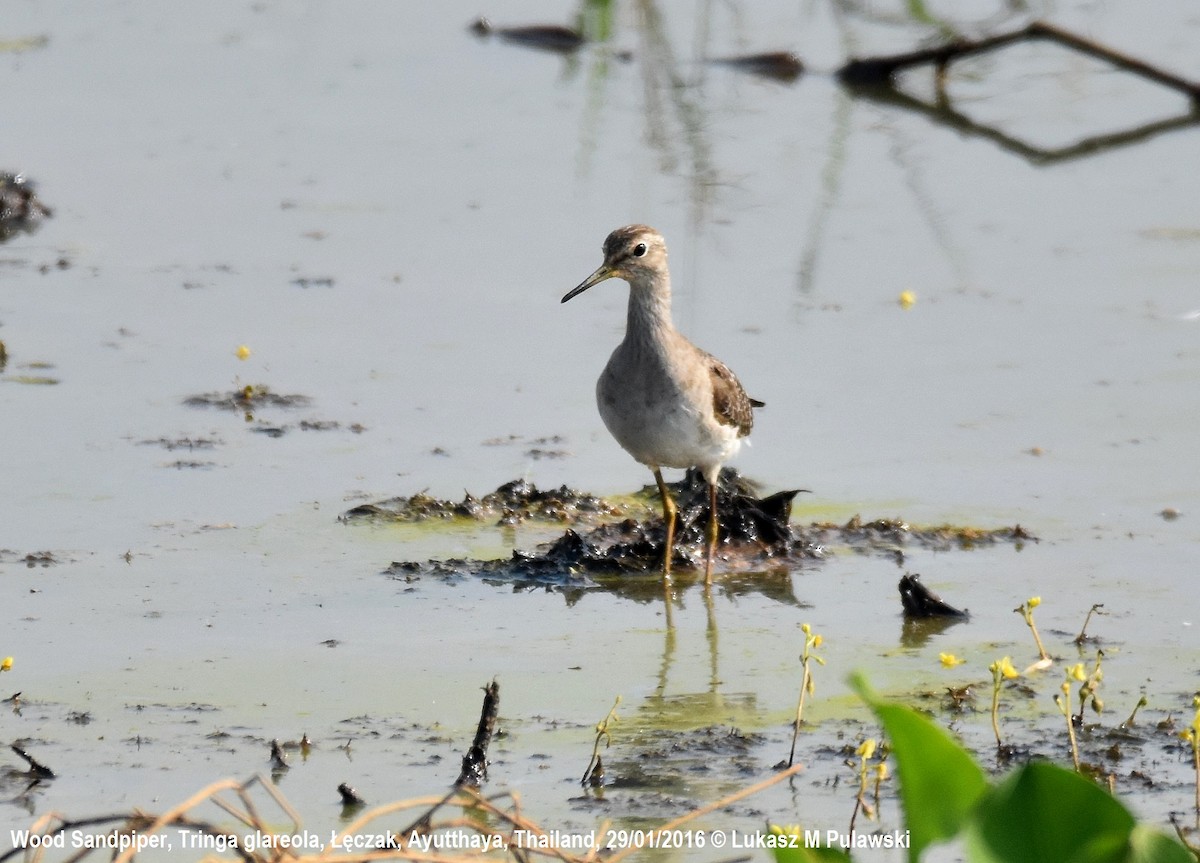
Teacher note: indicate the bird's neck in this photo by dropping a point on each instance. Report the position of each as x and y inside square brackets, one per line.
[649, 316]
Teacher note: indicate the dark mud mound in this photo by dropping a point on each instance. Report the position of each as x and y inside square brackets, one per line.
[618, 547]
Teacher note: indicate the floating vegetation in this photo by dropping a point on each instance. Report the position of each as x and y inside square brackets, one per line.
[248, 398]
[512, 503]
[753, 532]
[187, 443]
[32, 559]
[33, 380]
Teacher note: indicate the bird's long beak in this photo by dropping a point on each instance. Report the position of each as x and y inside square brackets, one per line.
[605, 272]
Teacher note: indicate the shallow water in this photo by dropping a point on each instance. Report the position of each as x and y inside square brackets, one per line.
[386, 210]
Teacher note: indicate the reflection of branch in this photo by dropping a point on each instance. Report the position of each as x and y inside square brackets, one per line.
[876, 71]
[927, 208]
[917, 12]
[875, 78]
[660, 70]
[942, 113]
[831, 181]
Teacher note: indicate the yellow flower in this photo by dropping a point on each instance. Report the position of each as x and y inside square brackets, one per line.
[806, 629]
[1005, 667]
[1076, 672]
[881, 770]
[6, 664]
[866, 749]
[949, 660]
[817, 641]
[1034, 602]
[242, 352]
[907, 299]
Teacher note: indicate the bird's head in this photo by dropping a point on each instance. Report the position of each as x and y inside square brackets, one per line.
[635, 253]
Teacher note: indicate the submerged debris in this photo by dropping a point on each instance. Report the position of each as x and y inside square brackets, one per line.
[247, 398]
[548, 37]
[20, 209]
[919, 601]
[188, 443]
[778, 65]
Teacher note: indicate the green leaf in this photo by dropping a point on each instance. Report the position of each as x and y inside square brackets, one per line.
[1043, 812]
[939, 781]
[1147, 845]
[804, 853]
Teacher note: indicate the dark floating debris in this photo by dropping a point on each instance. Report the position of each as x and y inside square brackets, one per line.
[781, 66]
[547, 37]
[313, 282]
[36, 768]
[475, 763]
[20, 208]
[349, 796]
[597, 553]
[248, 398]
[919, 601]
[279, 760]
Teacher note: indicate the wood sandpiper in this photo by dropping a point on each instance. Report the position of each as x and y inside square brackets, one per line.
[668, 403]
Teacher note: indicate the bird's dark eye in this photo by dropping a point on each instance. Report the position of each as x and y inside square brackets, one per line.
[639, 250]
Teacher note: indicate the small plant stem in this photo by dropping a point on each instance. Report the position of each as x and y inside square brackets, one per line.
[854, 815]
[804, 684]
[1095, 609]
[1038, 639]
[1064, 704]
[1132, 716]
[1025, 609]
[996, 711]
[1196, 765]
[603, 733]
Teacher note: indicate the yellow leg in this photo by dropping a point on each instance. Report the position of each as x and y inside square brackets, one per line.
[669, 511]
[711, 546]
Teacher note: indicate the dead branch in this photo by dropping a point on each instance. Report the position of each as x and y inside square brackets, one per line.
[474, 763]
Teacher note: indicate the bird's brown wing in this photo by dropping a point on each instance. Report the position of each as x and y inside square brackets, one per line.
[730, 403]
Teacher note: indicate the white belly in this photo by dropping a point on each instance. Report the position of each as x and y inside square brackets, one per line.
[664, 419]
